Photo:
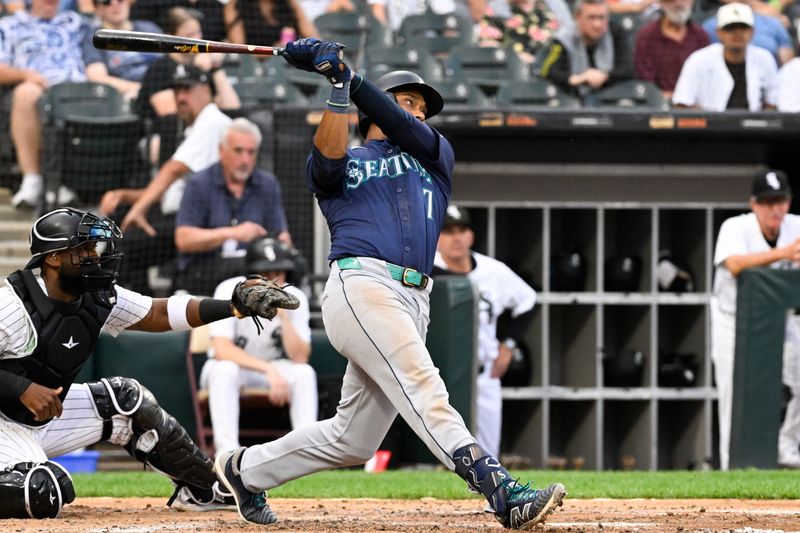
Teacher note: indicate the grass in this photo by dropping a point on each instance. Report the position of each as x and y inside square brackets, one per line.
[745, 484]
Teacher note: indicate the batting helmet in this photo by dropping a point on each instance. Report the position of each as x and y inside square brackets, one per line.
[67, 228]
[623, 273]
[269, 255]
[398, 80]
[568, 270]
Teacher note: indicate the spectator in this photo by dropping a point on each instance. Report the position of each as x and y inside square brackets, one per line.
[664, 44]
[642, 8]
[730, 75]
[122, 70]
[528, 29]
[277, 357]
[390, 13]
[789, 87]
[38, 48]
[768, 33]
[315, 8]
[209, 14]
[155, 97]
[193, 91]
[592, 56]
[224, 208]
[766, 237]
[500, 290]
[267, 22]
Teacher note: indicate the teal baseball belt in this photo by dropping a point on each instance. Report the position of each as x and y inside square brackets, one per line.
[405, 275]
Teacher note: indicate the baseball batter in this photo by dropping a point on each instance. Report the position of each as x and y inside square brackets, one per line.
[49, 326]
[767, 236]
[500, 289]
[275, 357]
[384, 203]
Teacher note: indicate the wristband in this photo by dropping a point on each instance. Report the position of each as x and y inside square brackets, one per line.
[212, 310]
[176, 312]
[339, 101]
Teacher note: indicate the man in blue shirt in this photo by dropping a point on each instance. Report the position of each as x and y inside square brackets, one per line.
[385, 204]
[224, 208]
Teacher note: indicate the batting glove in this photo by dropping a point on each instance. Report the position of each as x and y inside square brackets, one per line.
[300, 53]
[329, 61]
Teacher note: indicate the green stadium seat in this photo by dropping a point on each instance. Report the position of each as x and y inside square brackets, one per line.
[485, 66]
[630, 93]
[535, 92]
[259, 92]
[463, 93]
[436, 33]
[90, 140]
[383, 60]
[357, 31]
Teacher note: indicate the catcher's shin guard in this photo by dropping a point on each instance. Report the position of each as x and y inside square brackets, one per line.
[158, 441]
[31, 490]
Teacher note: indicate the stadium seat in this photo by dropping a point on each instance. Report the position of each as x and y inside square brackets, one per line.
[627, 25]
[629, 93]
[488, 67]
[383, 60]
[436, 33]
[259, 420]
[90, 141]
[463, 93]
[258, 92]
[242, 66]
[357, 31]
[536, 92]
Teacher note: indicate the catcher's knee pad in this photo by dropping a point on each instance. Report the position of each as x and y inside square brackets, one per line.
[158, 440]
[35, 490]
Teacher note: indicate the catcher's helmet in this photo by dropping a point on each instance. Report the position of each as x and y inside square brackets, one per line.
[404, 79]
[67, 228]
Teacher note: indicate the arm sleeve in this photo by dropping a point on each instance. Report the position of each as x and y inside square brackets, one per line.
[556, 66]
[12, 385]
[324, 176]
[224, 328]
[687, 85]
[193, 210]
[411, 135]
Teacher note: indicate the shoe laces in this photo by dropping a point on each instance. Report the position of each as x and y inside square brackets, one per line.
[259, 500]
[516, 492]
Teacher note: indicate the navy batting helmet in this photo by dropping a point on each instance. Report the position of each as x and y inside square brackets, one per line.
[398, 80]
[67, 228]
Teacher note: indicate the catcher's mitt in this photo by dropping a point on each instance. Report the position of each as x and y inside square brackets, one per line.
[258, 296]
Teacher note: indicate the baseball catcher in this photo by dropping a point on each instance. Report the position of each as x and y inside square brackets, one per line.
[48, 329]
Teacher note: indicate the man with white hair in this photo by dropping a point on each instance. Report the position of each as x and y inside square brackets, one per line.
[224, 208]
[731, 74]
[664, 44]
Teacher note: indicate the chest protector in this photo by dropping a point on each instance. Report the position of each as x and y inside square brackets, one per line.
[67, 334]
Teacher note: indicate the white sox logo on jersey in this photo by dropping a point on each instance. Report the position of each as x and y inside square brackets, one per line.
[360, 171]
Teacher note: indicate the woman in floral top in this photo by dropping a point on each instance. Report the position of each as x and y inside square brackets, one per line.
[529, 29]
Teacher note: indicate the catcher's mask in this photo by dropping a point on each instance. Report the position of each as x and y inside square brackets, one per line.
[67, 228]
[398, 80]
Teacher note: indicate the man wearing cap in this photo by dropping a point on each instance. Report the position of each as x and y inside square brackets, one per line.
[766, 237]
[277, 357]
[194, 93]
[731, 74]
[500, 290]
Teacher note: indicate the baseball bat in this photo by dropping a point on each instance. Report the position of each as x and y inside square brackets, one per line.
[139, 41]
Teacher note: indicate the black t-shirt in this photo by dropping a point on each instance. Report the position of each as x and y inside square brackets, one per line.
[738, 99]
[158, 77]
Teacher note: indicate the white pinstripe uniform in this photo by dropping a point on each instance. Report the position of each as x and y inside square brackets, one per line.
[223, 379]
[741, 235]
[500, 289]
[79, 424]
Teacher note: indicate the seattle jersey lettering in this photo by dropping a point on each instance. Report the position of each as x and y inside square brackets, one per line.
[359, 171]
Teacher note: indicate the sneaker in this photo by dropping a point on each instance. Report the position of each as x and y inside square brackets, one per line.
[787, 459]
[186, 501]
[65, 196]
[526, 507]
[253, 506]
[30, 192]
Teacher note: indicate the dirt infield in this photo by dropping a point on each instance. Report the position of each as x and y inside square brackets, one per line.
[148, 515]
